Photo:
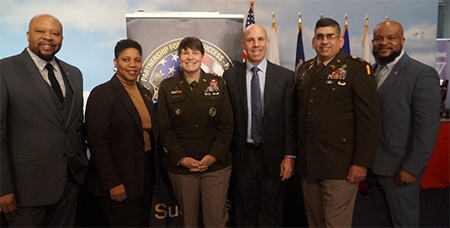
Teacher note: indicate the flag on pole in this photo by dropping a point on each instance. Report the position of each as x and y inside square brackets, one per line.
[366, 43]
[250, 20]
[300, 55]
[346, 46]
[250, 15]
[274, 53]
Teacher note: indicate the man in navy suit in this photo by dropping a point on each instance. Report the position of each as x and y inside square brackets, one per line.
[263, 146]
[43, 151]
[409, 96]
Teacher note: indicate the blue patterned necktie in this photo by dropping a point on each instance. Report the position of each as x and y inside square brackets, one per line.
[256, 105]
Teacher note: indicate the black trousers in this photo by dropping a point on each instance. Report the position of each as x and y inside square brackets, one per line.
[259, 196]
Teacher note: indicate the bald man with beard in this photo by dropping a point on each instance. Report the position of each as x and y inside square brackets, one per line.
[43, 152]
[409, 96]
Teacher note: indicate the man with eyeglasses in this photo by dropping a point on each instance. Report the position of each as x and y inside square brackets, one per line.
[410, 101]
[338, 120]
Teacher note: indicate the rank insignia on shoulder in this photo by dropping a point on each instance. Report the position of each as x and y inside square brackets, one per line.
[212, 111]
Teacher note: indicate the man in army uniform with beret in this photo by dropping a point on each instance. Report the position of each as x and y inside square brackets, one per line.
[338, 123]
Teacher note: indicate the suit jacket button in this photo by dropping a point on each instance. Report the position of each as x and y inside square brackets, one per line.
[311, 101]
[344, 139]
[314, 88]
[196, 125]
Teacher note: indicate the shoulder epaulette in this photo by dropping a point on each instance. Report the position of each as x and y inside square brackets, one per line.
[358, 59]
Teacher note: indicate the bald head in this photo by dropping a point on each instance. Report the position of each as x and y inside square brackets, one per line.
[392, 25]
[44, 36]
[42, 16]
[252, 28]
[387, 41]
[255, 43]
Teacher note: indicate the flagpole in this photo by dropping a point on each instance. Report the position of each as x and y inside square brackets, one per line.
[366, 48]
[300, 54]
[274, 53]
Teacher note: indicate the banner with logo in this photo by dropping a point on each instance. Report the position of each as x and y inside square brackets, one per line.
[443, 63]
[160, 35]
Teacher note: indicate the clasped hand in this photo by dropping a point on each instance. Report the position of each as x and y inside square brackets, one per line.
[198, 166]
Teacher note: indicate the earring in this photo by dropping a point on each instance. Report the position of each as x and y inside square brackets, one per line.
[114, 68]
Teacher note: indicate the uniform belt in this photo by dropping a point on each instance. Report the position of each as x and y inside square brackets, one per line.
[254, 146]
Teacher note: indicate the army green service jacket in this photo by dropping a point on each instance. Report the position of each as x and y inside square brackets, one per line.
[195, 123]
[339, 117]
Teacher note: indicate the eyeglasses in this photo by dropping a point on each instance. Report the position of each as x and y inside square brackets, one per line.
[330, 36]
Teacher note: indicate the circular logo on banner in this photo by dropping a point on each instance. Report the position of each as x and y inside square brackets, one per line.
[163, 62]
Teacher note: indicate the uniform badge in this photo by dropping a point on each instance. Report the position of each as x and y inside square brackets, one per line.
[339, 74]
[177, 111]
[341, 83]
[177, 90]
[212, 111]
[213, 88]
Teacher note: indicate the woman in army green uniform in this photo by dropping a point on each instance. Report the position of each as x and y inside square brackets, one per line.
[196, 122]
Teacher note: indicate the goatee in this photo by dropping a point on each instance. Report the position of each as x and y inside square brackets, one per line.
[386, 60]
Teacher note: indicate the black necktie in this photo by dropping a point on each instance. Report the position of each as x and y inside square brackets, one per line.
[256, 105]
[319, 67]
[54, 82]
[193, 85]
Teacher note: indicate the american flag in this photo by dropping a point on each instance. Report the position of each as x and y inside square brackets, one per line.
[250, 15]
[250, 20]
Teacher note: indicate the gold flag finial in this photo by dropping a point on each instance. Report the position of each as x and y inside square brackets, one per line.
[321, 15]
[367, 19]
[346, 19]
[273, 17]
[387, 17]
[299, 21]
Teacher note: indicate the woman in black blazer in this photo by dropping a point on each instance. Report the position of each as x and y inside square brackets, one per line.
[122, 134]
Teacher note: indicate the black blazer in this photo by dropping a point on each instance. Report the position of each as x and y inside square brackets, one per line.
[115, 139]
[279, 129]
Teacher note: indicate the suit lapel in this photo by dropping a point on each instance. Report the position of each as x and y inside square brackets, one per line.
[40, 84]
[148, 100]
[242, 84]
[394, 75]
[70, 84]
[126, 101]
[271, 82]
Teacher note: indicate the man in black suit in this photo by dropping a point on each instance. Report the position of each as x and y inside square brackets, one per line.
[264, 144]
[43, 151]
